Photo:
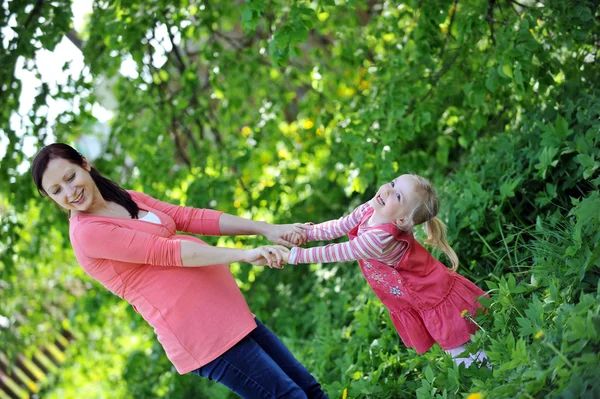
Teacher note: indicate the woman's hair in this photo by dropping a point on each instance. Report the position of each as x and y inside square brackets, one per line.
[109, 190]
[425, 210]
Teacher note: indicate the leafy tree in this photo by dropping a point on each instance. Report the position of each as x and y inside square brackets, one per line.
[296, 112]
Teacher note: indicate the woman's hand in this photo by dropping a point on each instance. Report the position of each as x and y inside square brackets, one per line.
[291, 235]
[269, 255]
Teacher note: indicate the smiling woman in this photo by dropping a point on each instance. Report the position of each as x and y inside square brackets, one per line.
[181, 286]
[74, 190]
[64, 175]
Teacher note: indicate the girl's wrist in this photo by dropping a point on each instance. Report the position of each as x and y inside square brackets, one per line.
[292, 256]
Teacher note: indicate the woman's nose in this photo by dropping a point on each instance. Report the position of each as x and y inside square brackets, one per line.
[69, 191]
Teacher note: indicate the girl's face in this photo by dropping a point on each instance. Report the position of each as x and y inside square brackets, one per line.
[394, 201]
[70, 185]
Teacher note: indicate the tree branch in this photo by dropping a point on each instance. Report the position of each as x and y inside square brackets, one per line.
[36, 10]
[75, 39]
[439, 76]
[448, 34]
[182, 63]
[490, 19]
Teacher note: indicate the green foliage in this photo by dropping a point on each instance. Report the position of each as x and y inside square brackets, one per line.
[297, 112]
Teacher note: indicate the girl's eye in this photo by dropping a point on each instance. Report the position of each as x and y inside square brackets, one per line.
[56, 192]
[72, 177]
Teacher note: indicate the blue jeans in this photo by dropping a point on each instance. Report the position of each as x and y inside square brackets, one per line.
[260, 366]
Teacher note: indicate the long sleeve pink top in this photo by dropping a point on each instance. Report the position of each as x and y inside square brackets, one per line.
[372, 242]
[197, 313]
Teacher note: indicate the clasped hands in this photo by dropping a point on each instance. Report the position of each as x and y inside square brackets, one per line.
[275, 256]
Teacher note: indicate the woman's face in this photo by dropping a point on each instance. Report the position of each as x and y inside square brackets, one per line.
[69, 185]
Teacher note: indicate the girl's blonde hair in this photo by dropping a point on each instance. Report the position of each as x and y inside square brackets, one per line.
[425, 211]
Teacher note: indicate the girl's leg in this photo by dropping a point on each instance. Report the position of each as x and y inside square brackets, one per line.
[273, 346]
[251, 373]
[479, 357]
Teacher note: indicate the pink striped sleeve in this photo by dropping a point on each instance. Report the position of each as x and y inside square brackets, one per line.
[366, 246]
[337, 228]
[190, 220]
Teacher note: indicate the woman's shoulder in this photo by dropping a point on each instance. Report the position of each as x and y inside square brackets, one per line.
[90, 226]
[80, 228]
[79, 223]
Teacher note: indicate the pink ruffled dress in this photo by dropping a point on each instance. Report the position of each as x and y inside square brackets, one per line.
[425, 299]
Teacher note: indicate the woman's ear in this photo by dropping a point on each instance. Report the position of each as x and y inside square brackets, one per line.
[86, 164]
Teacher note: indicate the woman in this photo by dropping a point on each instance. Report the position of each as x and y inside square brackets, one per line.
[180, 285]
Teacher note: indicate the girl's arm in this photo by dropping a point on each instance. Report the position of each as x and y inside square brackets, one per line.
[133, 246]
[215, 223]
[336, 228]
[373, 244]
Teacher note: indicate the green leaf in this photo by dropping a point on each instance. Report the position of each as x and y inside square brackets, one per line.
[491, 81]
[428, 372]
[585, 160]
[518, 77]
[562, 127]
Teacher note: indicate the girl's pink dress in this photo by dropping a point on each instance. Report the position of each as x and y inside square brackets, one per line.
[425, 299]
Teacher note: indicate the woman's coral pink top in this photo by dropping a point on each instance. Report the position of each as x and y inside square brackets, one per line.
[197, 313]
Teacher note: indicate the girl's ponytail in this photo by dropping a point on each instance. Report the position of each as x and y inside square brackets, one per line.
[436, 236]
[424, 213]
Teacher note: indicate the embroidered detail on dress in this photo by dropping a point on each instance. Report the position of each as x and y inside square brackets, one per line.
[396, 291]
[378, 277]
[369, 265]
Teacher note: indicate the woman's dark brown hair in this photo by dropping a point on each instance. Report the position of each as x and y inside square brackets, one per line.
[109, 190]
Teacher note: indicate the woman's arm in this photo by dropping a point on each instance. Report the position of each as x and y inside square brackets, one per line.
[190, 220]
[211, 222]
[194, 254]
[230, 225]
[133, 246]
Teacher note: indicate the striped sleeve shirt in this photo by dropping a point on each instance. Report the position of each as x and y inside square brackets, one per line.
[371, 243]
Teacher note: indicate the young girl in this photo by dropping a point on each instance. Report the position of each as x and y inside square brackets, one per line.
[426, 300]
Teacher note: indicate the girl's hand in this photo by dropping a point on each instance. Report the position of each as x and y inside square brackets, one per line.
[288, 234]
[270, 255]
[295, 238]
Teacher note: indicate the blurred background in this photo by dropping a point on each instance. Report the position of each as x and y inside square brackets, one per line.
[293, 112]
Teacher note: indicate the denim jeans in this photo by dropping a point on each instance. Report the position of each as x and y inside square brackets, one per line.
[260, 366]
